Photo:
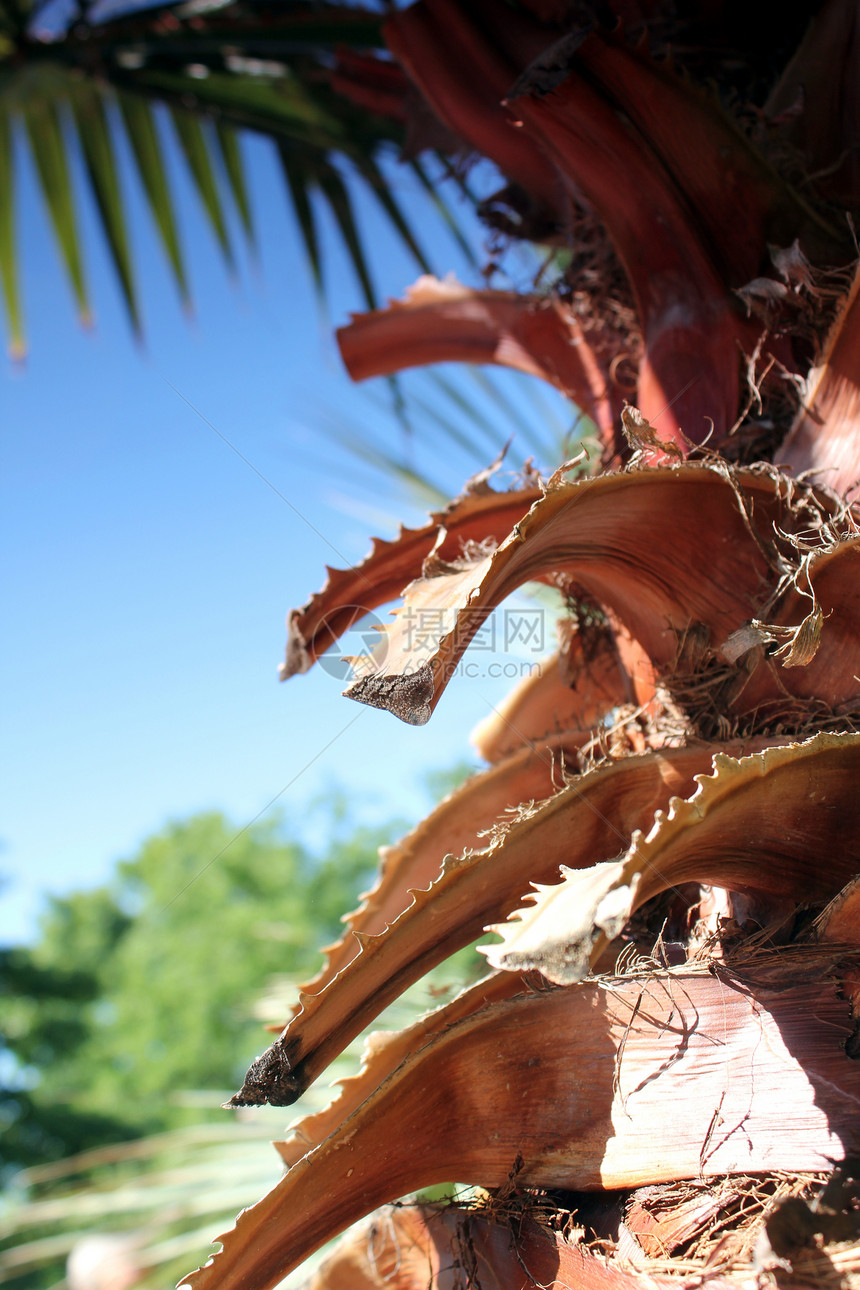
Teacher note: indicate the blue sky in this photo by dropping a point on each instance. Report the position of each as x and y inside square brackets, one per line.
[147, 569]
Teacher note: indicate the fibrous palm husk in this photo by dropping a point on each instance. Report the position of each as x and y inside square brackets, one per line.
[543, 1241]
[729, 598]
[595, 120]
[776, 825]
[672, 822]
[401, 1248]
[726, 1076]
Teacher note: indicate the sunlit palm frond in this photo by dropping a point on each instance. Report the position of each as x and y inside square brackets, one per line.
[81, 93]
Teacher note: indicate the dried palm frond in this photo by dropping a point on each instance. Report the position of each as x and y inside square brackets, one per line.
[459, 895]
[728, 1078]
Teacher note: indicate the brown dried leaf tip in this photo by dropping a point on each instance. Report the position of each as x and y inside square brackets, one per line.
[657, 1078]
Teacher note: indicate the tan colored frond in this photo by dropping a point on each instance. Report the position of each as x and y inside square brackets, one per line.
[777, 825]
[632, 543]
[381, 576]
[723, 1079]
[593, 818]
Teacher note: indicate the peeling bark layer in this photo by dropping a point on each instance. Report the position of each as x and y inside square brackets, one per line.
[739, 1078]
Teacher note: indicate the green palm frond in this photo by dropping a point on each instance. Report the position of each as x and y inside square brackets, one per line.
[195, 150]
[300, 187]
[48, 146]
[98, 151]
[142, 132]
[459, 420]
[336, 194]
[231, 156]
[219, 70]
[8, 258]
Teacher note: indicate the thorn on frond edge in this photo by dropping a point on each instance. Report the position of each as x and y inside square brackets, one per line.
[269, 1081]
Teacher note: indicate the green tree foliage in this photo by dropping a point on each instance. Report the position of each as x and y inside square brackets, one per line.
[138, 991]
[44, 1010]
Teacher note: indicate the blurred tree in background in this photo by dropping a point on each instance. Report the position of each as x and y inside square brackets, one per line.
[137, 991]
[131, 1019]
